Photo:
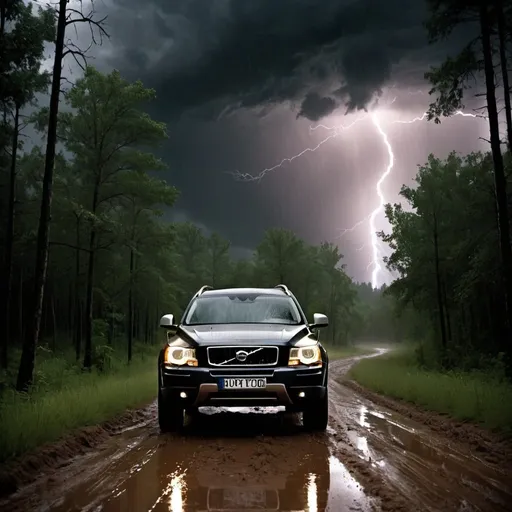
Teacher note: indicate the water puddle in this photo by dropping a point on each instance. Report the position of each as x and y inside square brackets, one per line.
[293, 473]
[407, 452]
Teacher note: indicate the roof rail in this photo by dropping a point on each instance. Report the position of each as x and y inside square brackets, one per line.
[284, 288]
[203, 289]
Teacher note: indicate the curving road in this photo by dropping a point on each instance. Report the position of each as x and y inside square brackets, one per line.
[248, 461]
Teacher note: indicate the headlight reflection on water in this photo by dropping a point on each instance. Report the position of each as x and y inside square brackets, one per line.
[174, 490]
[312, 494]
[176, 499]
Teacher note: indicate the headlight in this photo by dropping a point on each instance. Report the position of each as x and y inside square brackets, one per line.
[310, 354]
[180, 356]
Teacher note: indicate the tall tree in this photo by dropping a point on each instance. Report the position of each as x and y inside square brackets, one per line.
[66, 16]
[279, 253]
[449, 83]
[103, 130]
[143, 195]
[449, 231]
[20, 79]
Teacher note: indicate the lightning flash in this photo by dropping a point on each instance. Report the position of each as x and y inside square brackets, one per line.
[375, 263]
[382, 201]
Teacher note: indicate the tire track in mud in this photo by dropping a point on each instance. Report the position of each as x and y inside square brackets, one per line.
[415, 463]
[370, 458]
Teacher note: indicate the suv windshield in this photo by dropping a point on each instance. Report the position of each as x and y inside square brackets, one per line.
[243, 309]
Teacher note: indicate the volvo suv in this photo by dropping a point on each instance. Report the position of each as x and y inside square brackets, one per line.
[243, 347]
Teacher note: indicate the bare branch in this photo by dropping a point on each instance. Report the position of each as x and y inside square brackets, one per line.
[108, 198]
[70, 246]
[77, 55]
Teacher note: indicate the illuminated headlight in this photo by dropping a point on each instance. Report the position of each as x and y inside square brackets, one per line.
[179, 356]
[310, 354]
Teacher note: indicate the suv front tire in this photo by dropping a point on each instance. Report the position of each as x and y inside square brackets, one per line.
[171, 415]
[316, 416]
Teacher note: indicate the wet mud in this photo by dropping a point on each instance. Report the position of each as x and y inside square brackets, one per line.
[371, 458]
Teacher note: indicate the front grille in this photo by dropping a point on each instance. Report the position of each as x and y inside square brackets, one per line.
[241, 372]
[241, 356]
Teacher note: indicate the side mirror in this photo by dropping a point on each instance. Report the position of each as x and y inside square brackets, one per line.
[319, 321]
[167, 322]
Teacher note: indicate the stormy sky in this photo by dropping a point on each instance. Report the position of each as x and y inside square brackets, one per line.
[240, 84]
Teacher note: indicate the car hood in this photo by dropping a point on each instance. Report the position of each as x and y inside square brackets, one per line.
[242, 333]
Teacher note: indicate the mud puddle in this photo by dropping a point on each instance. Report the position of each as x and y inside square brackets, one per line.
[409, 456]
[227, 461]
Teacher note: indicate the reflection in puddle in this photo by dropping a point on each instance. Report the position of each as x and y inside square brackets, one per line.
[363, 411]
[312, 494]
[176, 500]
[345, 492]
[413, 453]
[295, 473]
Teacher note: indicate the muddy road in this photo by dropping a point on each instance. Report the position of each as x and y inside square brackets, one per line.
[246, 460]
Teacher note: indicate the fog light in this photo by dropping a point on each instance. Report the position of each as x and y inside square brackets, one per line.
[183, 394]
[302, 394]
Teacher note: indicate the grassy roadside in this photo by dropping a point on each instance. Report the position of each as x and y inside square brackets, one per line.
[477, 397]
[65, 399]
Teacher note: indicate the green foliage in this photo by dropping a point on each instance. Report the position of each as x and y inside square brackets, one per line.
[116, 265]
[449, 81]
[445, 250]
[66, 398]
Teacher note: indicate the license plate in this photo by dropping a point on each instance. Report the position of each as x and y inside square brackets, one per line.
[237, 383]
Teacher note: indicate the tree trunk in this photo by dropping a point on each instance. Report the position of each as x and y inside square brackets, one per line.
[78, 296]
[147, 337]
[130, 306]
[89, 301]
[71, 312]
[5, 320]
[3, 5]
[26, 369]
[499, 174]
[21, 327]
[54, 323]
[90, 275]
[440, 306]
[447, 313]
[79, 329]
[502, 32]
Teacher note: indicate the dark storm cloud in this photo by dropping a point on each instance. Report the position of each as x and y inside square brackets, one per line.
[315, 107]
[366, 68]
[286, 60]
[315, 54]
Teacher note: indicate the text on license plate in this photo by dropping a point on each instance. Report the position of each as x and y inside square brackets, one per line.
[237, 383]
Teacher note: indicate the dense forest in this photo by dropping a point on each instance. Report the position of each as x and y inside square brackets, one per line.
[451, 237]
[108, 262]
[89, 260]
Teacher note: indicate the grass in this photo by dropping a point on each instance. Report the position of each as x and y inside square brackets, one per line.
[64, 399]
[479, 397]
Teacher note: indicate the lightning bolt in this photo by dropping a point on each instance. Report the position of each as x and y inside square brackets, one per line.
[336, 130]
[382, 201]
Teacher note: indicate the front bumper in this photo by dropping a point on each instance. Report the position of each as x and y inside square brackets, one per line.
[294, 387]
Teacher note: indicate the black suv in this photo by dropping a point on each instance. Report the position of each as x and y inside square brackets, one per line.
[243, 347]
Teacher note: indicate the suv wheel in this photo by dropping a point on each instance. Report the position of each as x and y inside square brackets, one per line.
[171, 416]
[316, 416]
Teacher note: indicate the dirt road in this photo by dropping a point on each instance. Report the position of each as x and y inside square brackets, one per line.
[370, 459]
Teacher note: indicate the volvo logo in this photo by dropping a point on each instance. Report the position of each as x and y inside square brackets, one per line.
[241, 355]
